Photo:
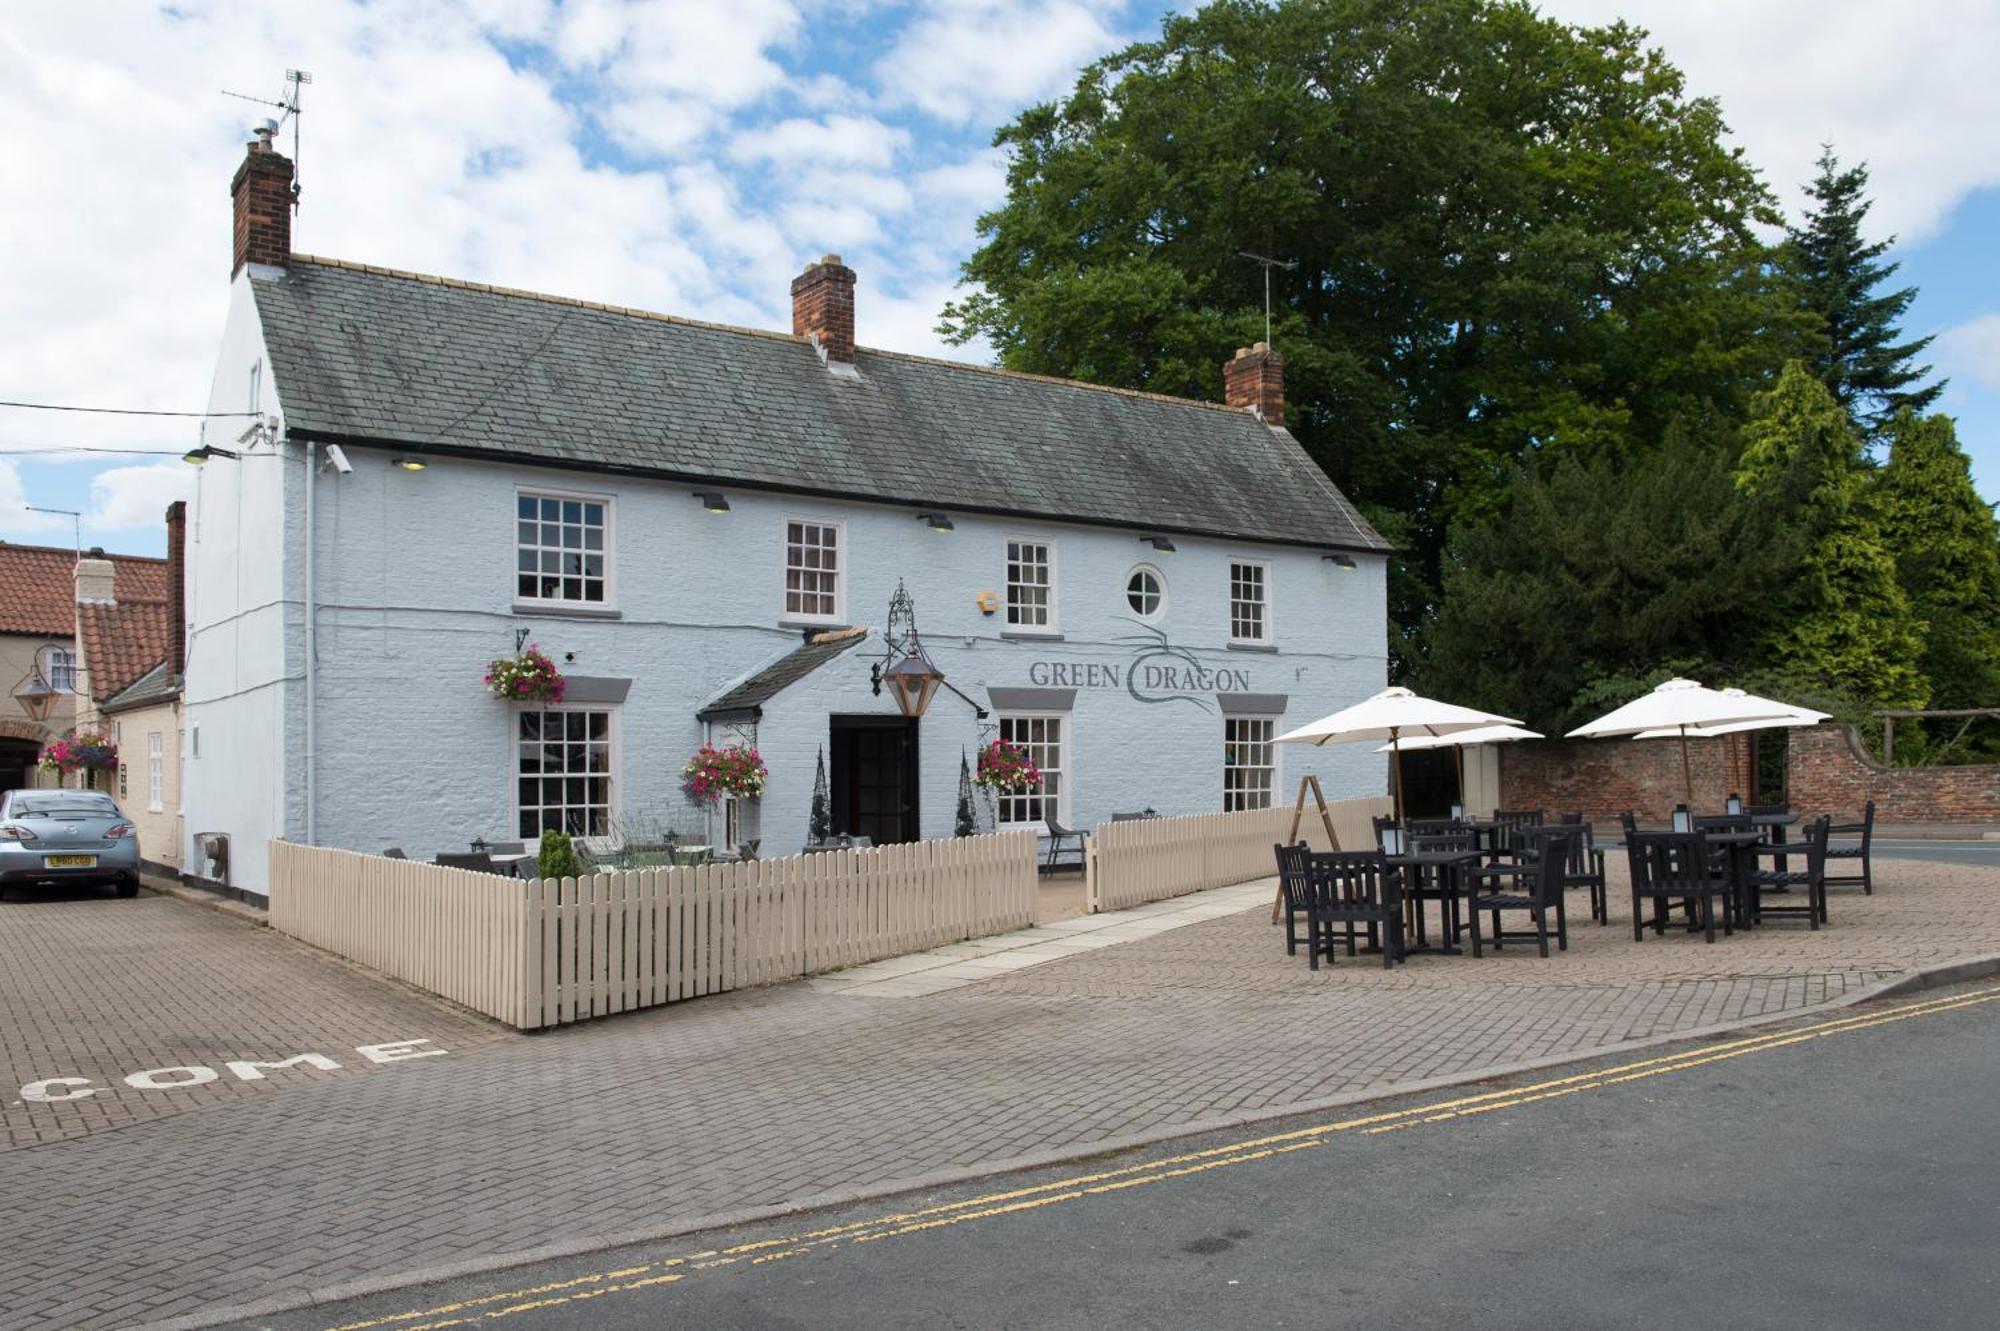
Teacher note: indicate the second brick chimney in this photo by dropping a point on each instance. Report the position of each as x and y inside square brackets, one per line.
[1255, 379]
[823, 308]
[262, 194]
[176, 587]
[96, 579]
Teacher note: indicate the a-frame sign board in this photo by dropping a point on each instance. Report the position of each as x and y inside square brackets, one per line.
[1308, 781]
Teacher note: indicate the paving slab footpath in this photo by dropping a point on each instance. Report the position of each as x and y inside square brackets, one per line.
[767, 1099]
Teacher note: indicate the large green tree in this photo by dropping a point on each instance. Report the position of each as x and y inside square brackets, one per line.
[1845, 621]
[1858, 352]
[1593, 577]
[1947, 550]
[1514, 236]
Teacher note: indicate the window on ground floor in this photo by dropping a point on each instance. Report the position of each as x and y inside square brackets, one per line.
[156, 772]
[1042, 739]
[1249, 762]
[563, 771]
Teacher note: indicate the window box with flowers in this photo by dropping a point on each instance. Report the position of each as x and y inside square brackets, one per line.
[88, 752]
[528, 677]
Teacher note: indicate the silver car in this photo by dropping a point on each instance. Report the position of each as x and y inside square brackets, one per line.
[51, 837]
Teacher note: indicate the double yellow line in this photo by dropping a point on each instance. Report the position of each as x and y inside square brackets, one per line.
[510, 1303]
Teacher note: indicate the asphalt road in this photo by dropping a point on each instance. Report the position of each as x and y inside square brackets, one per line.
[1835, 1172]
[1948, 852]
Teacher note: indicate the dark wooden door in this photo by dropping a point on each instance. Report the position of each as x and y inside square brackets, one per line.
[875, 777]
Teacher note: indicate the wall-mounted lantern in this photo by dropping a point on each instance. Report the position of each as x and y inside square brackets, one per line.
[37, 697]
[904, 666]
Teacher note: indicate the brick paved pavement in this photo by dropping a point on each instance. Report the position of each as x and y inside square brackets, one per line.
[782, 1095]
[100, 988]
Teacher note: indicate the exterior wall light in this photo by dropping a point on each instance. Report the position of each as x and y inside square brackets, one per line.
[1343, 562]
[195, 457]
[713, 500]
[938, 521]
[409, 464]
[913, 680]
[37, 697]
[1163, 544]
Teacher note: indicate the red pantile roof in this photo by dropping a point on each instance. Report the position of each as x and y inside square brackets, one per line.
[120, 642]
[38, 587]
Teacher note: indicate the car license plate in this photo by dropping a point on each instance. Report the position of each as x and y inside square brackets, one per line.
[70, 861]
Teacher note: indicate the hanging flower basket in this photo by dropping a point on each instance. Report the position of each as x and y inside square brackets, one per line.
[1006, 767]
[88, 751]
[529, 677]
[733, 769]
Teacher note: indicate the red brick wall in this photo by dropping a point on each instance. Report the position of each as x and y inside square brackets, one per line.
[1256, 378]
[1830, 772]
[1605, 777]
[261, 195]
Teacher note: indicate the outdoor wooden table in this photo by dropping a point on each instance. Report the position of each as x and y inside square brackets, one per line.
[512, 864]
[1742, 848]
[1450, 866]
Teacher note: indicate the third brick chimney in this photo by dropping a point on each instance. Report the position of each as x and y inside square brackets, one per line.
[1255, 378]
[823, 307]
[262, 194]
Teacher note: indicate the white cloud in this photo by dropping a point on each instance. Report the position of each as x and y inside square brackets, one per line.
[1907, 88]
[840, 140]
[15, 520]
[984, 59]
[1972, 351]
[123, 498]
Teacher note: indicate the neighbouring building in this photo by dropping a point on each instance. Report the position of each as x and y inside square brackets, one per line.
[705, 527]
[128, 677]
[38, 644]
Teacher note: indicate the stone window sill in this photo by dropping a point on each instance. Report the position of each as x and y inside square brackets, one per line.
[1253, 646]
[541, 611]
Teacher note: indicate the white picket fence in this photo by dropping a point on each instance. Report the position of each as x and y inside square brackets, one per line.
[554, 951]
[1150, 859]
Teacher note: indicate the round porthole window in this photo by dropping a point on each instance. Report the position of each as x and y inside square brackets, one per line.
[1146, 592]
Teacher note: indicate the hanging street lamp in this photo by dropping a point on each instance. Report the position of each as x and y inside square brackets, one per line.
[37, 697]
[905, 667]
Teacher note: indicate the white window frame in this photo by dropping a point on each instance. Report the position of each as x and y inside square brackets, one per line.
[613, 751]
[610, 601]
[1125, 593]
[1053, 625]
[57, 666]
[1228, 745]
[841, 556]
[1066, 770]
[156, 772]
[1269, 618]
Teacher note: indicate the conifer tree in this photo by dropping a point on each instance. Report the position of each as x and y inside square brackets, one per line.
[1859, 358]
[1947, 548]
[1847, 623]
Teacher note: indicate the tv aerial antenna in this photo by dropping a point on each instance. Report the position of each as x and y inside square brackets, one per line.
[288, 105]
[1268, 263]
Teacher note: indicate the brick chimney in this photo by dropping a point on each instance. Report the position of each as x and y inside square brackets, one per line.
[96, 580]
[1255, 379]
[823, 307]
[262, 195]
[176, 587]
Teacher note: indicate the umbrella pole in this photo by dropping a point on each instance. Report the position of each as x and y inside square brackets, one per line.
[1458, 761]
[1396, 770]
[1687, 773]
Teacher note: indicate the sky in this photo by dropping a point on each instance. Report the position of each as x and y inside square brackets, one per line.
[691, 157]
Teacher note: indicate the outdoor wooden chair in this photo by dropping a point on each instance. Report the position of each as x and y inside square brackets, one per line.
[1505, 843]
[1439, 883]
[1856, 850]
[1812, 878]
[1059, 836]
[1351, 893]
[1534, 884]
[1292, 883]
[1675, 866]
[1584, 867]
[394, 853]
[477, 861]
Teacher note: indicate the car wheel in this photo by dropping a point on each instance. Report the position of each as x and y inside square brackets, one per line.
[128, 887]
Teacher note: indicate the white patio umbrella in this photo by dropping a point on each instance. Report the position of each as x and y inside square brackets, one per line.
[1461, 740]
[1391, 715]
[1798, 716]
[1682, 707]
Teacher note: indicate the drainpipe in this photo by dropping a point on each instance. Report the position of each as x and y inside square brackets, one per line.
[311, 673]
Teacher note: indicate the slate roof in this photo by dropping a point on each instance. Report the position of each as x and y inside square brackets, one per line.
[371, 355]
[766, 684]
[120, 642]
[155, 686]
[38, 586]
